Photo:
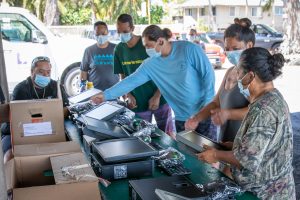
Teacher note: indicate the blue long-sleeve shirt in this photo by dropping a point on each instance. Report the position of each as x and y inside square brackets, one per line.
[185, 78]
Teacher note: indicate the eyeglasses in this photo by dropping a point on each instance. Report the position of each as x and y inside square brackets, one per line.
[39, 59]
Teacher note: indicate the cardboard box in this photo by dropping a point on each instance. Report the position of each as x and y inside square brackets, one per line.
[37, 121]
[25, 174]
[72, 168]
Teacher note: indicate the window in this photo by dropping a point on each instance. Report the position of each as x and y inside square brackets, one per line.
[202, 11]
[232, 11]
[254, 12]
[189, 12]
[261, 31]
[278, 10]
[16, 28]
[214, 10]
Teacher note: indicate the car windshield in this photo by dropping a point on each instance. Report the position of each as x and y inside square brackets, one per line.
[270, 29]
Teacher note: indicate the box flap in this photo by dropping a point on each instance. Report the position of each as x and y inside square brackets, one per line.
[46, 149]
[26, 113]
[74, 191]
[4, 113]
[10, 175]
[72, 168]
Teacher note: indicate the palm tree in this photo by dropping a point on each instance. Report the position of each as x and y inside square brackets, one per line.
[291, 25]
[213, 25]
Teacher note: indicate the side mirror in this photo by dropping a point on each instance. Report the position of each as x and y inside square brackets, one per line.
[38, 37]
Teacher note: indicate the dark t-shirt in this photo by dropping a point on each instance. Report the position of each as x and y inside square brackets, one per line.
[25, 91]
[99, 65]
[126, 61]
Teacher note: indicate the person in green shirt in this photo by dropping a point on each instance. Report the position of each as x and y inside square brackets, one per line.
[146, 99]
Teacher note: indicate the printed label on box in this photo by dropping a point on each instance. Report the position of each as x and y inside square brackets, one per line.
[37, 129]
[120, 171]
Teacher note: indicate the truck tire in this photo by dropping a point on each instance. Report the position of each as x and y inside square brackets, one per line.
[275, 48]
[70, 79]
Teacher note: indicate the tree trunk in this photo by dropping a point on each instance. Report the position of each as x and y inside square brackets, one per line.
[291, 27]
[51, 15]
[212, 24]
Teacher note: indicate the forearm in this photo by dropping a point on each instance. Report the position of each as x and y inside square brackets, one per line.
[237, 114]
[125, 86]
[157, 94]
[83, 75]
[227, 157]
[204, 113]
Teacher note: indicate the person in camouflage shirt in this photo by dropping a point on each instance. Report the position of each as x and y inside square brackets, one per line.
[261, 156]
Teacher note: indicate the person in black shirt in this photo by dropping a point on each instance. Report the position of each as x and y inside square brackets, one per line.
[37, 86]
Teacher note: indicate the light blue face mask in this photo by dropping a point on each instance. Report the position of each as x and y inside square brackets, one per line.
[234, 56]
[152, 53]
[101, 39]
[243, 91]
[125, 37]
[41, 81]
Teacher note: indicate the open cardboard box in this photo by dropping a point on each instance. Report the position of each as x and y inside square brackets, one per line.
[37, 121]
[26, 177]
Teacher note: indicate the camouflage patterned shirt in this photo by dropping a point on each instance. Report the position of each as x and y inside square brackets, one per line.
[264, 146]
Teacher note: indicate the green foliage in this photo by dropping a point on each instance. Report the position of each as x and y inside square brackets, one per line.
[72, 14]
[156, 14]
[202, 26]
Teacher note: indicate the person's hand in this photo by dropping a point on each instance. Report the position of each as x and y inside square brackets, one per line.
[191, 124]
[99, 98]
[154, 102]
[227, 145]
[82, 85]
[209, 155]
[219, 116]
[131, 101]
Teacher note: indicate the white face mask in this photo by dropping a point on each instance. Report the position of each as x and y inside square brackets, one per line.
[243, 91]
[125, 37]
[101, 39]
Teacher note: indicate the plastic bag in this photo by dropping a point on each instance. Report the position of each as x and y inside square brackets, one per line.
[222, 189]
[170, 157]
[82, 107]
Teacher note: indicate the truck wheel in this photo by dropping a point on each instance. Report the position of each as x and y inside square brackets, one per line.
[70, 79]
[275, 48]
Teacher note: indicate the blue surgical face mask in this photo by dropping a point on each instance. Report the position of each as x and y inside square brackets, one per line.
[41, 81]
[152, 53]
[243, 91]
[125, 37]
[234, 56]
[101, 39]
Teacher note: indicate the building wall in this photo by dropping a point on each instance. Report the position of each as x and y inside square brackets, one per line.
[223, 18]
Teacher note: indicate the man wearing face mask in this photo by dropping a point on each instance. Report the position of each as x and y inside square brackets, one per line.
[37, 86]
[97, 62]
[146, 99]
[195, 39]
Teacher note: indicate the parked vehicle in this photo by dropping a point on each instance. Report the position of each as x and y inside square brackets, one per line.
[214, 52]
[25, 37]
[266, 37]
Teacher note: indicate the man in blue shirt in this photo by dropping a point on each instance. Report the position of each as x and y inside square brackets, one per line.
[180, 70]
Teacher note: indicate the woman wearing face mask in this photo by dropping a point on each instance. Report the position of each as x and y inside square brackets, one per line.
[180, 70]
[228, 107]
[97, 61]
[261, 158]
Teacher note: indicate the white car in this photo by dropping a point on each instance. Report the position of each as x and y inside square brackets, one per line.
[25, 37]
